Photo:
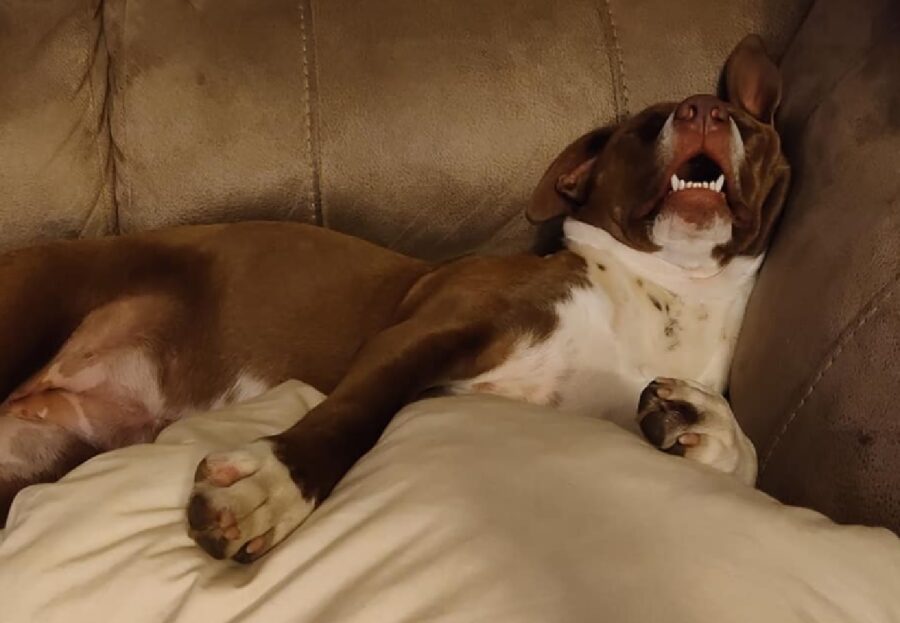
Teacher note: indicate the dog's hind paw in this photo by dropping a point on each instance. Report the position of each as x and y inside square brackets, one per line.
[244, 502]
[684, 418]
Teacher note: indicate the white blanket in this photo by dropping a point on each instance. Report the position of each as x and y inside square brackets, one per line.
[469, 509]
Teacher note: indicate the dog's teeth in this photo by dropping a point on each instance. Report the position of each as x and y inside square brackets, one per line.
[719, 183]
[681, 184]
[705, 185]
[674, 181]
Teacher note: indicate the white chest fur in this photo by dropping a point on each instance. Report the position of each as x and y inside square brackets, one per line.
[641, 317]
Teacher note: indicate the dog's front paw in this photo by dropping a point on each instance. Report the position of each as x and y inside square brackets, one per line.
[682, 417]
[244, 502]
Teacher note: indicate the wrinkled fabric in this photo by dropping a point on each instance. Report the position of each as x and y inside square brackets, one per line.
[468, 509]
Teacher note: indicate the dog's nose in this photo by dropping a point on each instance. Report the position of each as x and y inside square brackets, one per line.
[702, 113]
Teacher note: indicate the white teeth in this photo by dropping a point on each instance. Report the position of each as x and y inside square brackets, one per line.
[680, 184]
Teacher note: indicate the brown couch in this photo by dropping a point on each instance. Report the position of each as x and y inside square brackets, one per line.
[423, 124]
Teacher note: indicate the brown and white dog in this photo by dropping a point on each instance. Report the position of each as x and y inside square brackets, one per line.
[104, 342]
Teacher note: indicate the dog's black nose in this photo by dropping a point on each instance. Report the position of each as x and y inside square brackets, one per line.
[702, 113]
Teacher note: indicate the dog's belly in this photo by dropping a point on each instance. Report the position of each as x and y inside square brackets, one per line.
[611, 340]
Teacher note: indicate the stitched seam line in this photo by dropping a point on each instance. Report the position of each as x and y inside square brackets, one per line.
[313, 196]
[616, 62]
[92, 99]
[843, 341]
[123, 97]
[117, 100]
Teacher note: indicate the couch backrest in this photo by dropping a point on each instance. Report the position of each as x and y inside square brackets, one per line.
[419, 124]
[815, 376]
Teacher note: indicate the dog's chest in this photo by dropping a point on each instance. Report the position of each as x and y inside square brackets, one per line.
[614, 337]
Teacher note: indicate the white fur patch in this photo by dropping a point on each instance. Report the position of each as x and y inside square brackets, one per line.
[687, 246]
[245, 387]
[737, 153]
[263, 499]
[665, 143]
[558, 371]
[641, 317]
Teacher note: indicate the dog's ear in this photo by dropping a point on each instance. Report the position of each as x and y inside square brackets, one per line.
[569, 180]
[752, 80]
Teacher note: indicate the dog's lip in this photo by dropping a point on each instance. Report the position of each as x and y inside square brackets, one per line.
[652, 208]
[696, 204]
[725, 167]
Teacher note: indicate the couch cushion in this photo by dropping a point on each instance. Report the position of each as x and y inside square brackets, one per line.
[55, 169]
[210, 111]
[814, 378]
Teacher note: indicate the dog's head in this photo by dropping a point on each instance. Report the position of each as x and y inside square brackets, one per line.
[697, 182]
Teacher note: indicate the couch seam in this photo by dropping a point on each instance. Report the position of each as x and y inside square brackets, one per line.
[845, 339]
[616, 61]
[119, 144]
[306, 35]
[104, 117]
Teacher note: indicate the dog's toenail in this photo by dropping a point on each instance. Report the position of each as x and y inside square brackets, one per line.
[226, 518]
[255, 545]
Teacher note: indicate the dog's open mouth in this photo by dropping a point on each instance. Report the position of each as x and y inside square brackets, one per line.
[700, 172]
[697, 191]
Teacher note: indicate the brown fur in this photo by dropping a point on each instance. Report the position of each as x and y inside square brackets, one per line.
[455, 323]
[609, 177]
[371, 327]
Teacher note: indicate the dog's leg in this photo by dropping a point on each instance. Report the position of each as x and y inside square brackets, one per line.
[246, 501]
[32, 452]
[456, 322]
[681, 417]
[72, 385]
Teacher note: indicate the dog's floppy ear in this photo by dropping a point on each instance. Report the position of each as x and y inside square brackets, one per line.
[752, 80]
[569, 180]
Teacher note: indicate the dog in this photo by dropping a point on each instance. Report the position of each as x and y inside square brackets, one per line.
[666, 219]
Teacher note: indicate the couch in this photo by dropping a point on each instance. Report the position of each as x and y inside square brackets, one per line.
[422, 125]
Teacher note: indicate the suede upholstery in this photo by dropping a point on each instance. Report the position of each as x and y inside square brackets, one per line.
[56, 177]
[816, 369]
[423, 125]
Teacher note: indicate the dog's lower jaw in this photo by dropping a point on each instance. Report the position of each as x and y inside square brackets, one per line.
[689, 246]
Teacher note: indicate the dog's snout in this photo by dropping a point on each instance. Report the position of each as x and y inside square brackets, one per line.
[702, 113]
